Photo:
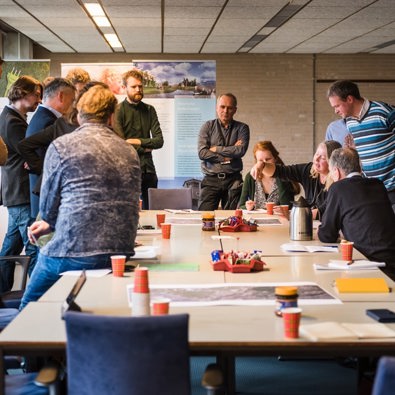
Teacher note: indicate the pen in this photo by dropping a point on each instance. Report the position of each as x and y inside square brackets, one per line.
[30, 233]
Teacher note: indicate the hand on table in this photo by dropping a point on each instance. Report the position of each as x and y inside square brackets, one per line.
[250, 204]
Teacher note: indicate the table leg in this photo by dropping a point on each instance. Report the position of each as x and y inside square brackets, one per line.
[227, 364]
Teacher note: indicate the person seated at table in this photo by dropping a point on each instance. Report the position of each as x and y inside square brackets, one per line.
[360, 208]
[89, 196]
[313, 175]
[256, 192]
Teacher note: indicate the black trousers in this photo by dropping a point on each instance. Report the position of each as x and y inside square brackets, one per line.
[215, 190]
[148, 180]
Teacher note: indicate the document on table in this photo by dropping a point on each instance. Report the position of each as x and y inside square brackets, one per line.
[290, 247]
[185, 221]
[257, 211]
[89, 273]
[345, 331]
[185, 211]
[145, 252]
[346, 265]
[141, 232]
[267, 221]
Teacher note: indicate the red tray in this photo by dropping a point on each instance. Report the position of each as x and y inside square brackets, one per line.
[224, 265]
[239, 228]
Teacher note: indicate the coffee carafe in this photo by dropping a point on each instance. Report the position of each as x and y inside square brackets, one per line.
[301, 220]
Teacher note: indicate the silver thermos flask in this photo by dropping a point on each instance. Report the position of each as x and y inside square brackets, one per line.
[301, 221]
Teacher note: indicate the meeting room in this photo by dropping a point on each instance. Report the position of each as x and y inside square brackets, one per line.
[197, 197]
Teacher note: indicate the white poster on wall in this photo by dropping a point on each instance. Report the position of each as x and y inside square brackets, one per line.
[183, 94]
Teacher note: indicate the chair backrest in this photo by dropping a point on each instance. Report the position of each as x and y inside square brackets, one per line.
[195, 184]
[12, 299]
[384, 382]
[177, 199]
[127, 355]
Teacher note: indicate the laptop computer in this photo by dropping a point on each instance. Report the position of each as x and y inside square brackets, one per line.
[69, 304]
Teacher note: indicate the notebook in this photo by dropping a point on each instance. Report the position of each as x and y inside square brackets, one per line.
[345, 331]
[361, 285]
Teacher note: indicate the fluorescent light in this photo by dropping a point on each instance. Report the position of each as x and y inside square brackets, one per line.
[94, 9]
[101, 21]
[113, 40]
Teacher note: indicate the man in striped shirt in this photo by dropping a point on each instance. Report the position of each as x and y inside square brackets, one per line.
[372, 126]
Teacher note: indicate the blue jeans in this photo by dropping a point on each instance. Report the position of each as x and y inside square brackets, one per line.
[14, 241]
[48, 270]
[6, 316]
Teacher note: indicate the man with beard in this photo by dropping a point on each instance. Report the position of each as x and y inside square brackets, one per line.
[138, 123]
[25, 95]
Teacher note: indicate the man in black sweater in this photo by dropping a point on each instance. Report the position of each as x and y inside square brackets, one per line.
[361, 209]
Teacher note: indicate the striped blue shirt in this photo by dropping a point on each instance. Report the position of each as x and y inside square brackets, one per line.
[374, 137]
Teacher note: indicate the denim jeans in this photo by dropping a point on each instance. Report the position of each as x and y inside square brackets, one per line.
[48, 270]
[14, 241]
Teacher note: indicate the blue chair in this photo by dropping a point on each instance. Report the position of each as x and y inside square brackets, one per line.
[129, 355]
[384, 382]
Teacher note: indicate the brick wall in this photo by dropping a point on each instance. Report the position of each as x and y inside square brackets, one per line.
[278, 94]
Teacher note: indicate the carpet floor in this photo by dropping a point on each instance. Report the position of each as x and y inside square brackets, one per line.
[270, 376]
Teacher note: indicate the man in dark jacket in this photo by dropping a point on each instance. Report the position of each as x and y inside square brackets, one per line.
[138, 123]
[24, 96]
[361, 209]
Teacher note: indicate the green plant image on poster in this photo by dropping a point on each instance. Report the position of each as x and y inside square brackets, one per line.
[13, 69]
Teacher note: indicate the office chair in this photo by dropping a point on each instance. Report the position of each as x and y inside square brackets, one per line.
[195, 185]
[129, 355]
[12, 299]
[176, 199]
[384, 382]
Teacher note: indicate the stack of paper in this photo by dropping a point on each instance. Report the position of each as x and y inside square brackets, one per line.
[345, 331]
[346, 265]
[290, 247]
[184, 211]
[145, 252]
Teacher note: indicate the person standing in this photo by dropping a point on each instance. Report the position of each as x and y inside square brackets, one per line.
[58, 97]
[24, 96]
[337, 130]
[372, 125]
[359, 207]
[222, 144]
[1, 66]
[138, 123]
[78, 77]
[89, 196]
[3, 147]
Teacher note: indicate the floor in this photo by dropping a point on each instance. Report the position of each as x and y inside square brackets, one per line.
[271, 376]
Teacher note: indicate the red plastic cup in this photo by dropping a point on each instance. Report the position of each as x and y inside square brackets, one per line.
[160, 306]
[269, 207]
[160, 218]
[239, 213]
[346, 250]
[141, 280]
[285, 210]
[166, 231]
[118, 265]
[291, 318]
